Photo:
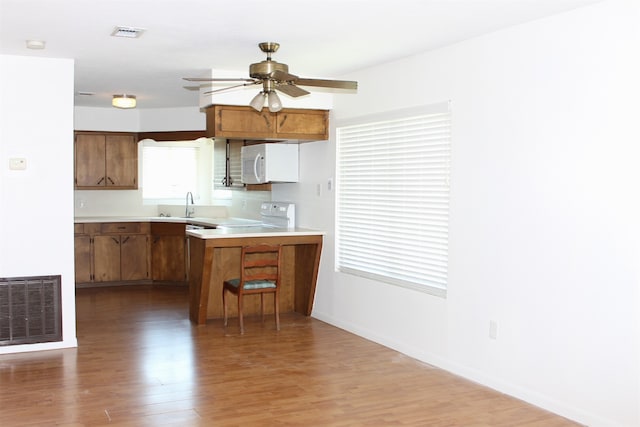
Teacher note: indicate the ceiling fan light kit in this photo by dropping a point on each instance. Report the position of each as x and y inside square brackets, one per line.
[275, 76]
[124, 101]
[258, 101]
[273, 100]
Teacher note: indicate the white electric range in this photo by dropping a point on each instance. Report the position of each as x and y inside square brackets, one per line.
[272, 215]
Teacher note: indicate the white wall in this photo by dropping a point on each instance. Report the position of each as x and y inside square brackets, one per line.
[544, 214]
[36, 217]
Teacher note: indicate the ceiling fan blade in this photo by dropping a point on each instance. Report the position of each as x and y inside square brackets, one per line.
[337, 84]
[232, 87]
[281, 76]
[194, 88]
[209, 79]
[292, 90]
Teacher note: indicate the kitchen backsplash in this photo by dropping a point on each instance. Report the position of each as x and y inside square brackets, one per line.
[243, 204]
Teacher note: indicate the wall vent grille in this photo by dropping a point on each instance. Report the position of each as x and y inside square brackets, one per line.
[30, 310]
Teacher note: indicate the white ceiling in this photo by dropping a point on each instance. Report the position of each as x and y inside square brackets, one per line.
[319, 38]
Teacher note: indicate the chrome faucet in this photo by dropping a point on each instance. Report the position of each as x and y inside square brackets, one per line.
[187, 212]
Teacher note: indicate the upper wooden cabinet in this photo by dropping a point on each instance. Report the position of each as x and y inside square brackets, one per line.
[106, 161]
[230, 121]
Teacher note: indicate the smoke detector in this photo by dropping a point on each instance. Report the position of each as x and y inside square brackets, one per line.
[35, 44]
[128, 32]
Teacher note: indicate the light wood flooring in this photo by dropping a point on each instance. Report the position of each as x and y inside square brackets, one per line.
[141, 363]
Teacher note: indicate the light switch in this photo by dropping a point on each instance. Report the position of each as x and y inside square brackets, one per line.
[17, 163]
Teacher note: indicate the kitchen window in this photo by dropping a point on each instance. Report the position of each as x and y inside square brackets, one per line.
[170, 169]
[393, 197]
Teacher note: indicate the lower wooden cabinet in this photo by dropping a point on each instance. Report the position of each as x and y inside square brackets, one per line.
[83, 258]
[120, 257]
[168, 260]
[112, 252]
[131, 252]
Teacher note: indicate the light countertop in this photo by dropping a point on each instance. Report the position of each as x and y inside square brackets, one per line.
[228, 227]
[235, 232]
[214, 222]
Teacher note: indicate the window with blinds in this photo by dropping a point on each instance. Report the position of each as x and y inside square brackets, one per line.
[227, 159]
[393, 198]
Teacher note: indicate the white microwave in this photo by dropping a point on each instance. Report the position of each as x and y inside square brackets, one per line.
[270, 162]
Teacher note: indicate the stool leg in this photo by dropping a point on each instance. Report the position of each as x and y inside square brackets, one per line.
[240, 314]
[224, 305]
[276, 309]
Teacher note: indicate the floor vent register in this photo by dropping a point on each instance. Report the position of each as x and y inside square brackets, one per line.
[30, 310]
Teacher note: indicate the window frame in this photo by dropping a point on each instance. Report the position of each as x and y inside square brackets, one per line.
[429, 273]
[203, 188]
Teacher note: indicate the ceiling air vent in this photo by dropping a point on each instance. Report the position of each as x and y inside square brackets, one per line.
[129, 32]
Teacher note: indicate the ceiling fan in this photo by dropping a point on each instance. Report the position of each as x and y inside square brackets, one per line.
[274, 76]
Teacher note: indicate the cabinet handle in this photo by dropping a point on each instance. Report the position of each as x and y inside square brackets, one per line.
[266, 120]
[125, 240]
[110, 180]
[116, 240]
[284, 119]
[100, 182]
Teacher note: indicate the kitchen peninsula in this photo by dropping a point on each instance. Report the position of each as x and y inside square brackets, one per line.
[214, 256]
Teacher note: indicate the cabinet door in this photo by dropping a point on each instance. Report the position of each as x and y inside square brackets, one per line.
[303, 124]
[106, 258]
[134, 261]
[240, 122]
[82, 249]
[90, 161]
[121, 156]
[168, 258]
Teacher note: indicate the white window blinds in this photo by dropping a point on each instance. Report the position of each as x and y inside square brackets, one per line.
[220, 178]
[393, 199]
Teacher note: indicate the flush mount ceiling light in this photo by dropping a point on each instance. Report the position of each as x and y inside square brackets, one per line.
[124, 101]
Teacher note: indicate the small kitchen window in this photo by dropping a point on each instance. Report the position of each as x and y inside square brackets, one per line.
[393, 197]
[170, 169]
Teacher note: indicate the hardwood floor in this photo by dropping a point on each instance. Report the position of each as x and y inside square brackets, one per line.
[141, 363]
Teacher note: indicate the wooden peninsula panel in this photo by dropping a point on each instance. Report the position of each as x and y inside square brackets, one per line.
[213, 260]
